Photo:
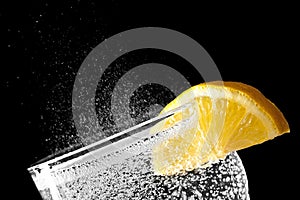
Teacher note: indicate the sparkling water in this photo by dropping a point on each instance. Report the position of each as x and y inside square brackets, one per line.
[112, 172]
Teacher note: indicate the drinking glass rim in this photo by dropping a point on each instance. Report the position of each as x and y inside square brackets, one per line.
[133, 132]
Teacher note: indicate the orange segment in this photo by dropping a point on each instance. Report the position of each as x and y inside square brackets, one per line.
[223, 117]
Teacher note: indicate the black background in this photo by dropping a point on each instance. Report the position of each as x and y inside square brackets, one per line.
[44, 43]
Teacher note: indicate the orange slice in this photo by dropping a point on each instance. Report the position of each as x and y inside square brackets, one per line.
[222, 117]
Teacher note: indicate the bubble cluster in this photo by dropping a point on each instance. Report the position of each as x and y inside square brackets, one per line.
[134, 179]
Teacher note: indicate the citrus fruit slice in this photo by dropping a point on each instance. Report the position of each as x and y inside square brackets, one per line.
[222, 117]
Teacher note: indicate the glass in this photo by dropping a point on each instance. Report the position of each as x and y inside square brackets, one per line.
[120, 167]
